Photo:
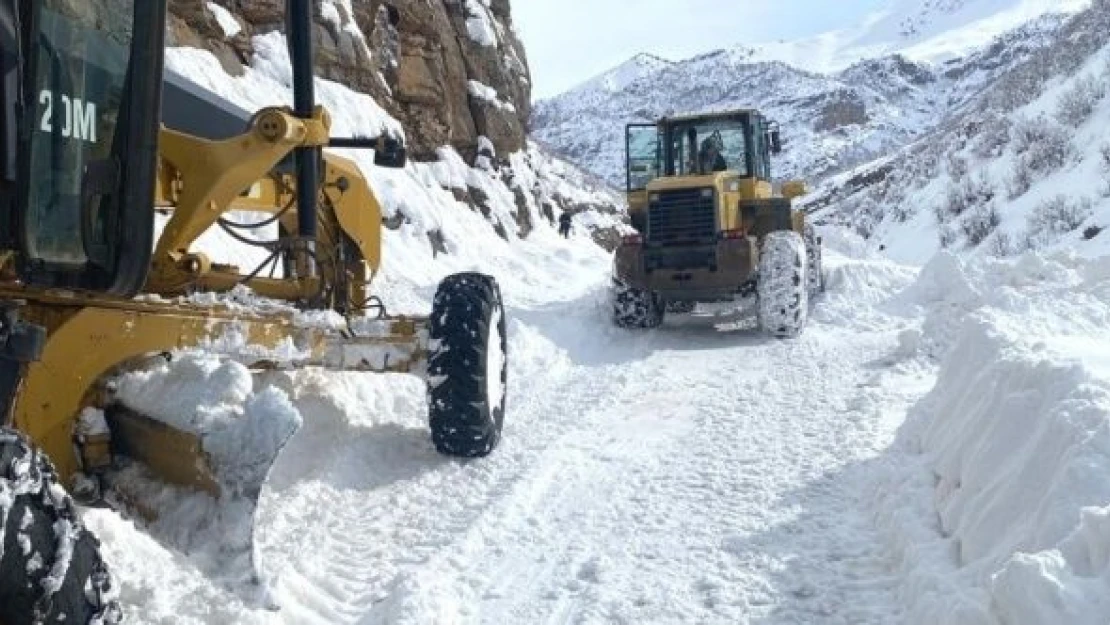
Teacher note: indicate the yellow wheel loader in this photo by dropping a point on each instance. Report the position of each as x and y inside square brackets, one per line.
[95, 140]
[709, 225]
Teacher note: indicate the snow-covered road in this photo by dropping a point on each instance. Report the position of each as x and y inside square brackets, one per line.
[933, 449]
[693, 474]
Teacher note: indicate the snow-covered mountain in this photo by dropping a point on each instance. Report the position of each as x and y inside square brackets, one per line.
[626, 73]
[1026, 164]
[930, 31]
[913, 75]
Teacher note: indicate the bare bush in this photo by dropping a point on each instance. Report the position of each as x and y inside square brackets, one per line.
[947, 236]
[1043, 140]
[1001, 245]
[1023, 84]
[993, 138]
[957, 166]
[1021, 178]
[956, 203]
[980, 223]
[1042, 147]
[1104, 163]
[900, 213]
[969, 193]
[1076, 105]
[1055, 217]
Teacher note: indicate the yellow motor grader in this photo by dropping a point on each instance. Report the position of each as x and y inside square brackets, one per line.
[95, 140]
[710, 226]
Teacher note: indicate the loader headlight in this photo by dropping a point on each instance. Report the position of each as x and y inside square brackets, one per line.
[707, 193]
[653, 198]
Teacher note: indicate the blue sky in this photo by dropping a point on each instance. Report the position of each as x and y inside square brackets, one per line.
[569, 41]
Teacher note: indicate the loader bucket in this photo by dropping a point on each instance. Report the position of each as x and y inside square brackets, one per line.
[197, 482]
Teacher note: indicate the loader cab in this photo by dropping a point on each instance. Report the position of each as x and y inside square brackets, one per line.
[740, 142]
[81, 95]
[680, 152]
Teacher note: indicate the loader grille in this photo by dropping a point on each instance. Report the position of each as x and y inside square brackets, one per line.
[682, 217]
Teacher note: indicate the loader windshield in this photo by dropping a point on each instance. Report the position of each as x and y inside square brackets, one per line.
[706, 146]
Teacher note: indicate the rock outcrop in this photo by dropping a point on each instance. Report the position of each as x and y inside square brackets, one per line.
[450, 71]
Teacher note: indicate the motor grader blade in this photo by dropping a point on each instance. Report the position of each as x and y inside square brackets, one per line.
[198, 490]
[193, 475]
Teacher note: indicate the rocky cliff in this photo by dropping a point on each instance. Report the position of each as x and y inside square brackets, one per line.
[450, 71]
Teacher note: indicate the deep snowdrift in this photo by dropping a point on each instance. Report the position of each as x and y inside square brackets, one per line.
[1011, 447]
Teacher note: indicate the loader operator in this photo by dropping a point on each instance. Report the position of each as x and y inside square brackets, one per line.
[710, 156]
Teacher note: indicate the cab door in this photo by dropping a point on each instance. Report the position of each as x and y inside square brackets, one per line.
[92, 79]
[641, 155]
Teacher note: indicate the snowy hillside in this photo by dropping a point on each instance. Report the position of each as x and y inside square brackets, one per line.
[876, 93]
[931, 31]
[1026, 165]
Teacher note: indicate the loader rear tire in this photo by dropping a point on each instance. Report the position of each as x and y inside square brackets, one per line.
[51, 570]
[680, 308]
[636, 308]
[783, 289]
[815, 275]
[467, 366]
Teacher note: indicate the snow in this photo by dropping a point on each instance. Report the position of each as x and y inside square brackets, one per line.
[992, 181]
[932, 449]
[1015, 441]
[488, 94]
[227, 21]
[340, 14]
[91, 422]
[933, 32]
[480, 23]
[495, 361]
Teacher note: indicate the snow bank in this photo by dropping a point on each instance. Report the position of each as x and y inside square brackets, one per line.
[1012, 446]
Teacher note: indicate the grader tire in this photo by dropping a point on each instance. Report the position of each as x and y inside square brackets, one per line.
[783, 289]
[51, 570]
[467, 366]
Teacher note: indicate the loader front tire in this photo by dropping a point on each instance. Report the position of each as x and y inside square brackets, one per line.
[783, 288]
[467, 366]
[51, 570]
[636, 308]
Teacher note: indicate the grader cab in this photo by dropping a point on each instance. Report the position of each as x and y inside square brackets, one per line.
[89, 153]
[710, 226]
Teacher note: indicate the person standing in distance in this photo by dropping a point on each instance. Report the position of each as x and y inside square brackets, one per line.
[564, 224]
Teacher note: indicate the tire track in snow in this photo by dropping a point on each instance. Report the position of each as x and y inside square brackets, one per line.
[685, 475]
[740, 506]
[376, 502]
